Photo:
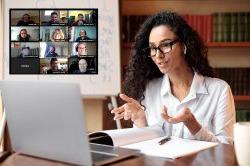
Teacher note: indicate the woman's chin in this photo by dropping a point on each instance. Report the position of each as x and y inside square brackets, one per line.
[164, 70]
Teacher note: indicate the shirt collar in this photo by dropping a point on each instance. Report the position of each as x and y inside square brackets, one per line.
[165, 86]
[198, 85]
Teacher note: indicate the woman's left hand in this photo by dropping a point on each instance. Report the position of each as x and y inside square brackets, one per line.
[184, 116]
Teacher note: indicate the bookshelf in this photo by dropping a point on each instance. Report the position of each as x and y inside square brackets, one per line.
[233, 54]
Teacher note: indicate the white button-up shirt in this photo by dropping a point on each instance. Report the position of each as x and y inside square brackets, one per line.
[209, 99]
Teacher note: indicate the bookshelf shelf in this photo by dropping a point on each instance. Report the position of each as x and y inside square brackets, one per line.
[210, 44]
[228, 44]
[242, 98]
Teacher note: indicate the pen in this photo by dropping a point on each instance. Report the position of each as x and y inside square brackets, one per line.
[164, 140]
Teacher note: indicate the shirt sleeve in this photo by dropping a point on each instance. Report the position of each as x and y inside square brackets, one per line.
[223, 121]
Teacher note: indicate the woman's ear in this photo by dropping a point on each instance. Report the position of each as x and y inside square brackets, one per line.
[185, 49]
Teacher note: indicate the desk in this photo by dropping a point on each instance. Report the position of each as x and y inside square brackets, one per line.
[221, 155]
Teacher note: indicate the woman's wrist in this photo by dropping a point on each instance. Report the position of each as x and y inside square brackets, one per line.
[192, 124]
[140, 121]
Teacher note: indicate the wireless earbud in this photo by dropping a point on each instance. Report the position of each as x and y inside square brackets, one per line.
[185, 49]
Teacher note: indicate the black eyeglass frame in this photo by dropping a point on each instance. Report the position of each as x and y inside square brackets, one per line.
[158, 48]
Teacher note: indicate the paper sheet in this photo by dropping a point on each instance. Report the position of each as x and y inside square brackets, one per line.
[175, 148]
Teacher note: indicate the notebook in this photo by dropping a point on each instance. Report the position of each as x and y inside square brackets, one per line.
[46, 119]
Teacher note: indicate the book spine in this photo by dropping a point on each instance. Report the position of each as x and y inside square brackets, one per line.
[209, 28]
[248, 81]
[199, 26]
[220, 27]
[247, 27]
[240, 27]
[234, 27]
[227, 28]
[215, 26]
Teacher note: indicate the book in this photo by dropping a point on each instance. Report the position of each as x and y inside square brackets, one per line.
[234, 27]
[147, 141]
[215, 26]
[120, 137]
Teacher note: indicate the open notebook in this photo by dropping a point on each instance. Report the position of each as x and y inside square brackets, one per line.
[147, 141]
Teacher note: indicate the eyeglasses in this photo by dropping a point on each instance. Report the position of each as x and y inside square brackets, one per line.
[164, 48]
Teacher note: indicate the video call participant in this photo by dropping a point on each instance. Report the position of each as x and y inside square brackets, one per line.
[64, 20]
[73, 66]
[25, 21]
[53, 66]
[57, 35]
[23, 36]
[83, 65]
[53, 19]
[80, 20]
[25, 52]
[81, 49]
[51, 52]
[82, 36]
[170, 83]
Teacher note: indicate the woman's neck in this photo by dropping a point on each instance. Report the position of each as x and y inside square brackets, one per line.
[180, 82]
[180, 77]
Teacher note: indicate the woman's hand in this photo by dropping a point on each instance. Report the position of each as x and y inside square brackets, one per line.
[184, 116]
[130, 110]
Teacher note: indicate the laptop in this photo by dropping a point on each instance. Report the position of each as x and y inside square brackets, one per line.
[46, 119]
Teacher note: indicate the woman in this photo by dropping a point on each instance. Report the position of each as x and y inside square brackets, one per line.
[82, 36]
[51, 52]
[23, 35]
[169, 82]
[57, 35]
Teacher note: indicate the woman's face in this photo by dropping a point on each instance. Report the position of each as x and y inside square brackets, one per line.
[57, 35]
[160, 37]
[51, 49]
[82, 33]
[23, 33]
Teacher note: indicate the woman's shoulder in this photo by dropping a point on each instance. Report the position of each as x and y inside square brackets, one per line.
[215, 83]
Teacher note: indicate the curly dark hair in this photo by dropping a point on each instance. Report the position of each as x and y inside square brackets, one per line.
[141, 69]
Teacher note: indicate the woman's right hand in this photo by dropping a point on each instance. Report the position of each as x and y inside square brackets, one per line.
[130, 110]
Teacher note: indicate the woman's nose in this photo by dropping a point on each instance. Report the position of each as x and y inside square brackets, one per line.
[159, 54]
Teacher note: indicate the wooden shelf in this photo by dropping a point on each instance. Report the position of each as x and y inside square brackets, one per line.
[228, 44]
[242, 98]
[210, 45]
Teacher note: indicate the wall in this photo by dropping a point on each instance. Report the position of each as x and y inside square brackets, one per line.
[137, 7]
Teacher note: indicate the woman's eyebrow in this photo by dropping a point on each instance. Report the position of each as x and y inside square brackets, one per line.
[163, 40]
